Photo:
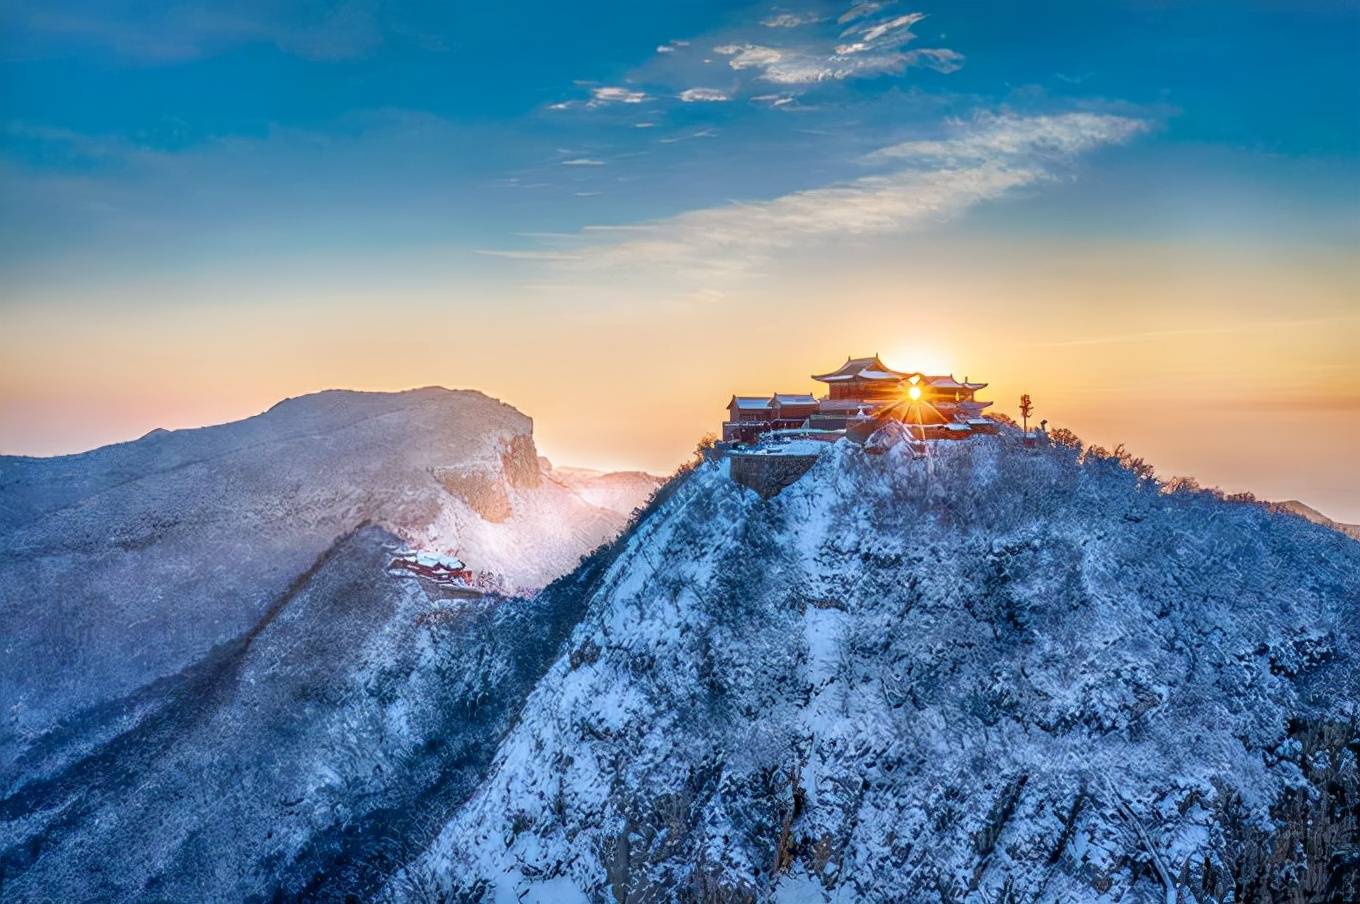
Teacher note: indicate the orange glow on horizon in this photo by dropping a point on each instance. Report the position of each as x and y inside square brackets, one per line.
[634, 385]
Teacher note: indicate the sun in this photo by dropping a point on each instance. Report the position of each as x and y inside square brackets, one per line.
[915, 393]
[930, 358]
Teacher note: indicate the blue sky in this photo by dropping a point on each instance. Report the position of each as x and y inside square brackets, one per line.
[188, 191]
[301, 115]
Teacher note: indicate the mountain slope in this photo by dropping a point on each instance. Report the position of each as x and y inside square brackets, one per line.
[306, 759]
[998, 675]
[131, 562]
[1001, 674]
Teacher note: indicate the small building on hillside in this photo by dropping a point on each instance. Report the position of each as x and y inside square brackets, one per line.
[445, 570]
[747, 418]
[792, 409]
[860, 394]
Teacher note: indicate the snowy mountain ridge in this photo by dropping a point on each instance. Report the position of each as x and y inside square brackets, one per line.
[999, 674]
[130, 562]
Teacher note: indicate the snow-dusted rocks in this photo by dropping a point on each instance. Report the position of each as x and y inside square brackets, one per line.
[990, 674]
[131, 562]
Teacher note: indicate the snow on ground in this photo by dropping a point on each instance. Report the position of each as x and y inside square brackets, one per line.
[976, 674]
[990, 673]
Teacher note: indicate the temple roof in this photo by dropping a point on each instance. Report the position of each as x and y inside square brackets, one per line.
[870, 368]
[950, 382]
[794, 398]
[750, 403]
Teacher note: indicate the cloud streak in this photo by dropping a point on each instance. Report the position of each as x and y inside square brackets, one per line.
[866, 47]
[790, 20]
[604, 96]
[703, 95]
[860, 10]
[992, 136]
[984, 159]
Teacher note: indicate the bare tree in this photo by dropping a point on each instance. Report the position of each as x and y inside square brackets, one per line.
[1026, 409]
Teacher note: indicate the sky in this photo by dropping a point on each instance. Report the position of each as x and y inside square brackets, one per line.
[615, 215]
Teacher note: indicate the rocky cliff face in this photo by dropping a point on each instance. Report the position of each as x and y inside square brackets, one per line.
[129, 563]
[999, 674]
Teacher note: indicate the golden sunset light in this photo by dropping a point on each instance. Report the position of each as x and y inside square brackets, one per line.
[798, 452]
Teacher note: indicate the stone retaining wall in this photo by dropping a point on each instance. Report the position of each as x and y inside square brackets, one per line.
[768, 474]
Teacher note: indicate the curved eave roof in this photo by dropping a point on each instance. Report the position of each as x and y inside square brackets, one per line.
[950, 383]
[870, 368]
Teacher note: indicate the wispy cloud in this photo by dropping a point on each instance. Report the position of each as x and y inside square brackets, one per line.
[788, 47]
[615, 95]
[702, 133]
[603, 96]
[888, 32]
[790, 20]
[866, 45]
[860, 10]
[928, 181]
[805, 66]
[995, 136]
[863, 49]
[583, 161]
[702, 95]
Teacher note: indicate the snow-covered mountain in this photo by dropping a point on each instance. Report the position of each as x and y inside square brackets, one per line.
[302, 760]
[131, 562]
[999, 674]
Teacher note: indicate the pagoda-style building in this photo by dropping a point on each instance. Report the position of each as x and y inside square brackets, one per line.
[861, 393]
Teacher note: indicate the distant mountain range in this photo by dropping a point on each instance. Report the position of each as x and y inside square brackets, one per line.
[1295, 507]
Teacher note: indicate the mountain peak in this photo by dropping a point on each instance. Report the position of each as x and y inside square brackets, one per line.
[996, 663]
[197, 531]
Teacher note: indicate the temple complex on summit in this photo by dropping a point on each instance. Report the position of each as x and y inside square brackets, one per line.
[860, 395]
